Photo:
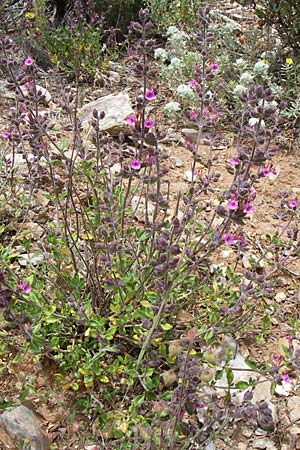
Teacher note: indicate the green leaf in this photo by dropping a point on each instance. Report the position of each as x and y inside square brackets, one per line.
[229, 376]
[251, 364]
[241, 385]
[166, 326]
[272, 388]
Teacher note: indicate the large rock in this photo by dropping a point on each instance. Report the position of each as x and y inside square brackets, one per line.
[20, 426]
[117, 108]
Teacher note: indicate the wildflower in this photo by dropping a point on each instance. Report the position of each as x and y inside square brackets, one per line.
[191, 334]
[172, 108]
[25, 287]
[149, 123]
[214, 67]
[175, 63]
[131, 119]
[192, 83]
[290, 340]
[150, 94]
[5, 134]
[30, 15]
[228, 239]
[277, 358]
[248, 209]
[234, 161]
[193, 115]
[232, 204]
[185, 91]
[285, 378]
[265, 61]
[161, 54]
[205, 112]
[266, 171]
[293, 204]
[28, 61]
[200, 405]
[135, 164]
[289, 61]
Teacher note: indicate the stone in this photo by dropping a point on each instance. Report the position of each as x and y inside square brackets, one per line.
[280, 297]
[19, 162]
[20, 426]
[117, 108]
[191, 134]
[264, 444]
[142, 210]
[176, 161]
[43, 93]
[293, 404]
[5, 92]
[34, 259]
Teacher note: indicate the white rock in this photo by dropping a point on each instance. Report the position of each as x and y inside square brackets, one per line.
[117, 108]
[280, 297]
[141, 209]
[41, 91]
[264, 444]
[293, 404]
[26, 259]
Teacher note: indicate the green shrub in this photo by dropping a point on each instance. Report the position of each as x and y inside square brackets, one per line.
[284, 15]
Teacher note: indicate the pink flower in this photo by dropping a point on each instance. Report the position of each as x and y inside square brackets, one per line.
[25, 287]
[266, 171]
[214, 67]
[135, 164]
[200, 405]
[5, 134]
[131, 119]
[248, 209]
[277, 358]
[150, 94]
[290, 340]
[191, 335]
[192, 83]
[228, 239]
[234, 161]
[293, 204]
[285, 378]
[28, 61]
[232, 204]
[149, 123]
[213, 116]
[193, 115]
[205, 112]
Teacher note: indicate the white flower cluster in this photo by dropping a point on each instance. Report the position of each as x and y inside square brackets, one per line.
[175, 63]
[185, 92]
[178, 39]
[261, 68]
[161, 54]
[246, 79]
[171, 109]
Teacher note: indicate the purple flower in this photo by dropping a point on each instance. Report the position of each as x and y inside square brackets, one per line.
[234, 161]
[200, 405]
[131, 119]
[192, 83]
[193, 115]
[205, 112]
[149, 123]
[228, 239]
[214, 67]
[290, 340]
[293, 204]
[277, 358]
[266, 171]
[5, 134]
[232, 204]
[150, 94]
[248, 209]
[135, 164]
[28, 61]
[25, 287]
[285, 378]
